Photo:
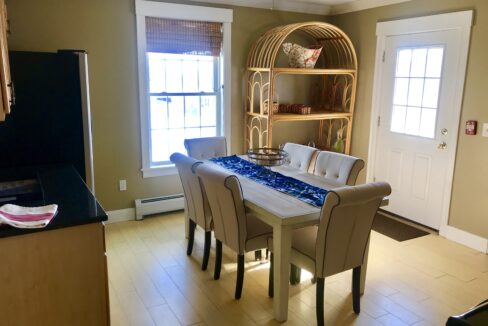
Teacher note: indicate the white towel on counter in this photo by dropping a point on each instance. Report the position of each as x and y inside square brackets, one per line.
[27, 217]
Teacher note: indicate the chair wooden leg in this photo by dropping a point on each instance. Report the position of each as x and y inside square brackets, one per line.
[267, 254]
[356, 288]
[319, 298]
[257, 255]
[295, 274]
[218, 259]
[240, 276]
[191, 237]
[271, 278]
[206, 249]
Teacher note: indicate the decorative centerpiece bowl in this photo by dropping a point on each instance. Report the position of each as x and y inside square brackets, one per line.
[267, 156]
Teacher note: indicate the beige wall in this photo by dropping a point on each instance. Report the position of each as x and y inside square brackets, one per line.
[106, 28]
[469, 207]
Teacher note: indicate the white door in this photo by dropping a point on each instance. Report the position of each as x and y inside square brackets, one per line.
[418, 122]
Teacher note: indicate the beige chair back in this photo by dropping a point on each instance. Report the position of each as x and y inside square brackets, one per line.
[196, 202]
[346, 220]
[299, 155]
[340, 169]
[224, 195]
[205, 148]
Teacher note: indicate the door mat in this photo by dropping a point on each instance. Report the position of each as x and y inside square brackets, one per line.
[396, 229]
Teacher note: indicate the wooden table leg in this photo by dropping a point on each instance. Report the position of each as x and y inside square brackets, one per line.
[281, 253]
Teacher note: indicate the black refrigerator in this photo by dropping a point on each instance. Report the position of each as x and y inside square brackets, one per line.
[50, 121]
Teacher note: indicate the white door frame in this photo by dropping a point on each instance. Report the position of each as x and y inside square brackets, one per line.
[461, 21]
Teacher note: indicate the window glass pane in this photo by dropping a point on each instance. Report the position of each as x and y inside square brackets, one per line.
[192, 111]
[431, 93]
[209, 111]
[427, 123]
[401, 91]
[398, 119]
[192, 133]
[159, 145]
[174, 74]
[412, 122]
[159, 113]
[176, 111]
[415, 91]
[403, 63]
[209, 132]
[419, 57]
[156, 73]
[206, 76]
[190, 76]
[434, 62]
[175, 141]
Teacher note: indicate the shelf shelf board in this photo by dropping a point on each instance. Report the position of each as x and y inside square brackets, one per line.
[313, 71]
[323, 115]
[305, 71]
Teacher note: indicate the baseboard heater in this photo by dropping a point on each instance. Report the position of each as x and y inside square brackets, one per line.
[154, 205]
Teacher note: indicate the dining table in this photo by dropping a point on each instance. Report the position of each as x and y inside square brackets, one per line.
[284, 213]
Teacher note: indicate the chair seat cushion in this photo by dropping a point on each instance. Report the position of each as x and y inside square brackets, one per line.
[258, 233]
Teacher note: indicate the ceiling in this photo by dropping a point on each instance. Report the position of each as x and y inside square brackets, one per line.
[321, 7]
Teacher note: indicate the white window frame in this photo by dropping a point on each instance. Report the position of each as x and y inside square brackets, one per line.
[184, 12]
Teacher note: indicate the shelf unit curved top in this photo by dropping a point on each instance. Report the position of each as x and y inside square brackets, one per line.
[338, 50]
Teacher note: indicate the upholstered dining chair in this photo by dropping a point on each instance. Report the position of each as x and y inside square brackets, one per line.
[339, 169]
[205, 148]
[299, 156]
[233, 226]
[339, 242]
[198, 211]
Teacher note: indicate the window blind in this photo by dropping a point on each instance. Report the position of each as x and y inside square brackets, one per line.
[183, 36]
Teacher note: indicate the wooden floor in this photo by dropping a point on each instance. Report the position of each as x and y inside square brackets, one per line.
[152, 282]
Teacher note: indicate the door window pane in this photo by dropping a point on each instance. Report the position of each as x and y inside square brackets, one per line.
[403, 63]
[427, 123]
[401, 91]
[415, 90]
[431, 93]
[398, 119]
[412, 122]
[434, 62]
[419, 57]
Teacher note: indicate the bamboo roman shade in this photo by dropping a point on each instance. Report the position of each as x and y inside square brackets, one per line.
[183, 36]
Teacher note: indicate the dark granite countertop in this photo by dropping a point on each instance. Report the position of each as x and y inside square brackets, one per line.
[60, 185]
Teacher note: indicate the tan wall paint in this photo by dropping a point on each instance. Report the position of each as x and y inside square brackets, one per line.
[469, 206]
[106, 28]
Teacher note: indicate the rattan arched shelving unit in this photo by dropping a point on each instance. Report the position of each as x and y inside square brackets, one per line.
[332, 104]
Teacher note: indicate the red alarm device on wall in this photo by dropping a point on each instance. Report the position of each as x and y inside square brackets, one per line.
[471, 126]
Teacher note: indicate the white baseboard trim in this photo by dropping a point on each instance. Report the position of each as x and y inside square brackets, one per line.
[465, 238]
[121, 215]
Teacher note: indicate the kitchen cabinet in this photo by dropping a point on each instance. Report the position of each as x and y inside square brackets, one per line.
[56, 275]
[332, 88]
[6, 85]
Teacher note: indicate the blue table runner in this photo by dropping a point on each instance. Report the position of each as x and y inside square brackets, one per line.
[305, 192]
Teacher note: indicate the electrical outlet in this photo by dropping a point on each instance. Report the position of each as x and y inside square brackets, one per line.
[484, 132]
[122, 185]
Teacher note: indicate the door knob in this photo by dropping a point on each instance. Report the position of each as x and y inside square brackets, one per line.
[442, 145]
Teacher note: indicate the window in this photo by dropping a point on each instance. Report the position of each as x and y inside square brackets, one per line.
[183, 65]
[416, 94]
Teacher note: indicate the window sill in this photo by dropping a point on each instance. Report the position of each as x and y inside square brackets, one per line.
[159, 171]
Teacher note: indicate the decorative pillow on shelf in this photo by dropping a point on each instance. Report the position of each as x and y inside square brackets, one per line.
[300, 57]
